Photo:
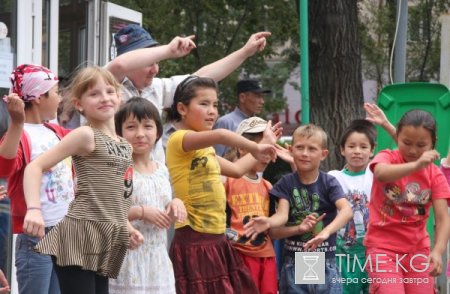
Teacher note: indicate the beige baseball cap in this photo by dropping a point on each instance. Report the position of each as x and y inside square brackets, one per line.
[251, 125]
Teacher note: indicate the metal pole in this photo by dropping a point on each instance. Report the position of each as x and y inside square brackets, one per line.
[304, 60]
[400, 43]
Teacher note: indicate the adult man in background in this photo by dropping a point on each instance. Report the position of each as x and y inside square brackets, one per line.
[138, 76]
[250, 96]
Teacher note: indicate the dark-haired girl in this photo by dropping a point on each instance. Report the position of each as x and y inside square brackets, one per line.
[203, 260]
[398, 245]
[147, 269]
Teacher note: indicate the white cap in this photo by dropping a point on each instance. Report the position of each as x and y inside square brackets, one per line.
[252, 125]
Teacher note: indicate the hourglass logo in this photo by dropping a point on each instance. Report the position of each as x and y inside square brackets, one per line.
[310, 268]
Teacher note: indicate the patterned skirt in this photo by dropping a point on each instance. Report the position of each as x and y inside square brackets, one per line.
[208, 263]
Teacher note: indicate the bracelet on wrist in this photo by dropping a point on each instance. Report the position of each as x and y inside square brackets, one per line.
[33, 207]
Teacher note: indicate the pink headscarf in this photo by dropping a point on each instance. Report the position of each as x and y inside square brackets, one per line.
[30, 81]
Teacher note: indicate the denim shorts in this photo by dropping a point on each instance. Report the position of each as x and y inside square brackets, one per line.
[287, 279]
[34, 271]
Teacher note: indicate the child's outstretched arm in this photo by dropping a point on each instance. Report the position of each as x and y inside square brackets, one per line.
[10, 143]
[263, 223]
[221, 68]
[376, 116]
[442, 222]
[385, 172]
[78, 142]
[342, 218]
[135, 59]
[307, 225]
[261, 152]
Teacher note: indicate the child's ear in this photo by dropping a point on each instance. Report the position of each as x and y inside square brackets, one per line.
[181, 108]
[342, 151]
[76, 103]
[324, 154]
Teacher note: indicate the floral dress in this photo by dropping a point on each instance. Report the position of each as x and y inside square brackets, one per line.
[148, 269]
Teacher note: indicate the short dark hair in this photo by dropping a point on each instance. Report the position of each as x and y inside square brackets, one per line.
[419, 118]
[141, 109]
[362, 126]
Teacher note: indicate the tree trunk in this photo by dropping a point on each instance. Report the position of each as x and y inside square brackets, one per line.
[336, 95]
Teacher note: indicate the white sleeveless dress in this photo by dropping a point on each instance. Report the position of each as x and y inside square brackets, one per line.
[148, 269]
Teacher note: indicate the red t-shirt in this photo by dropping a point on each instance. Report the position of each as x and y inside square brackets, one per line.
[247, 198]
[398, 210]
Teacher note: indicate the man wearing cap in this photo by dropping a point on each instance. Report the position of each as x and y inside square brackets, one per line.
[136, 67]
[250, 95]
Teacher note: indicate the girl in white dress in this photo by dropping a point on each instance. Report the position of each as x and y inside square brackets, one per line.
[149, 269]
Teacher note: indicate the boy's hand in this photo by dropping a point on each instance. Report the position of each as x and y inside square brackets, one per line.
[284, 153]
[256, 43]
[3, 192]
[4, 286]
[255, 226]
[33, 223]
[272, 133]
[181, 46]
[427, 158]
[136, 239]
[16, 108]
[312, 244]
[176, 211]
[157, 217]
[265, 153]
[435, 260]
[310, 222]
[374, 114]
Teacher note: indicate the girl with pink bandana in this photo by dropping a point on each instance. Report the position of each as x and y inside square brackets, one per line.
[33, 100]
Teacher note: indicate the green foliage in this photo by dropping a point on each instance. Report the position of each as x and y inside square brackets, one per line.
[377, 27]
[221, 27]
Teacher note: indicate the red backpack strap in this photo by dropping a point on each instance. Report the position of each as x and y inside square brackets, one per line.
[59, 131]
[25, 144]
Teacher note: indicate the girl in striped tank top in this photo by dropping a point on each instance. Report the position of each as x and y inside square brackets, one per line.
[203, 260]
[89, 244]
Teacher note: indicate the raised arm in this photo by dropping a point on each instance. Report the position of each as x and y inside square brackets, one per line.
[221, 68]
[10, 144]
[199, 140]
[78, 142]
[376, 116]
[135, 59]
